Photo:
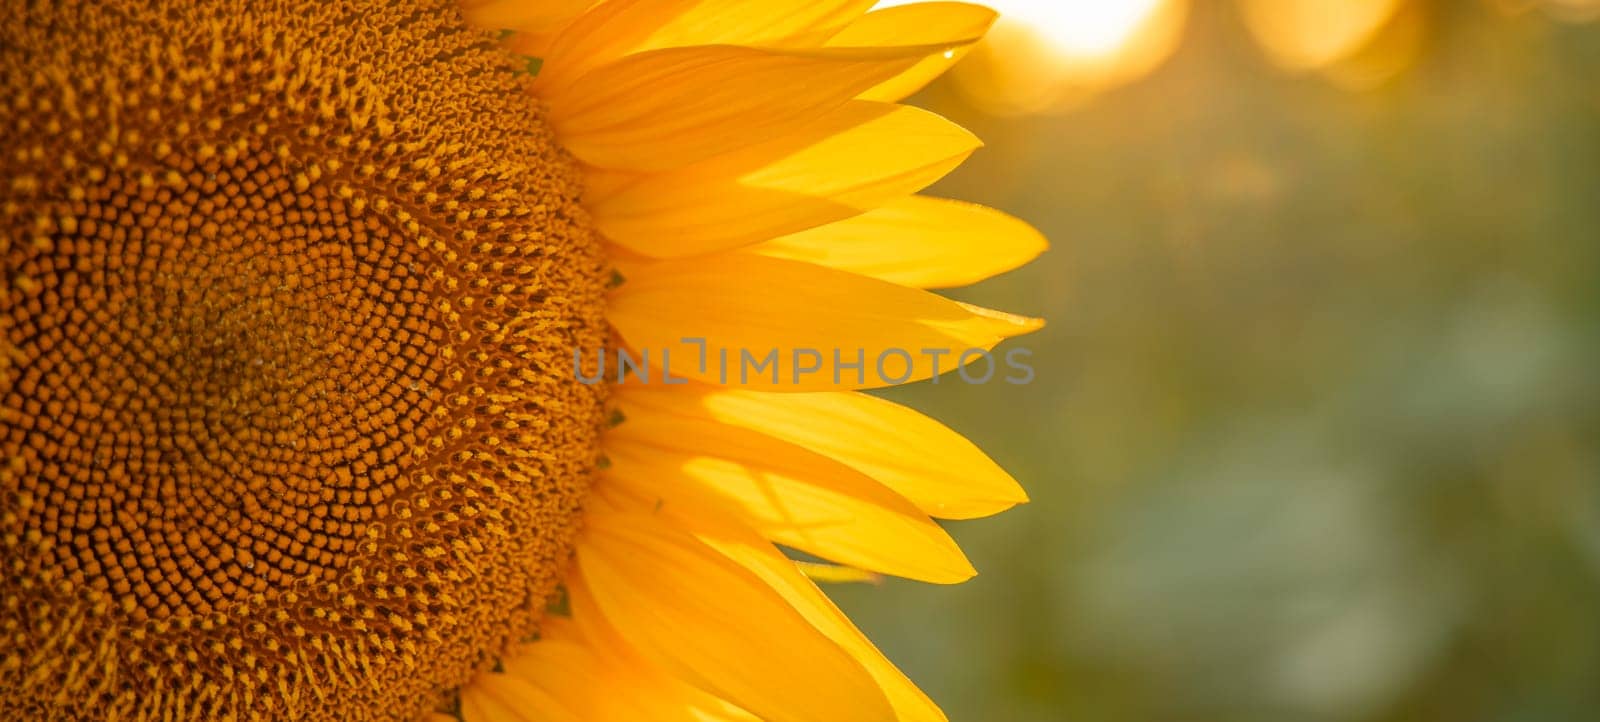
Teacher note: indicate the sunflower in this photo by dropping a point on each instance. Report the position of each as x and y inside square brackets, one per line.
[301, 305]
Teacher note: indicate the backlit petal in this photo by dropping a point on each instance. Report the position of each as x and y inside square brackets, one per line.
[939, 470]
[668, 447]
[622, 27]
[668, 108]
[851, 160]
[715, 624]
[958, 25]
[745, 548]
[499, 698]
[917, 241]
[812, 322]
[910, 703]
[609, 683]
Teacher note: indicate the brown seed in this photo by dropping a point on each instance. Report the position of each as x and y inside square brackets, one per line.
[262, 325]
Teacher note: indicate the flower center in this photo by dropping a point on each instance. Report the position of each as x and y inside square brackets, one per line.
[288, 428]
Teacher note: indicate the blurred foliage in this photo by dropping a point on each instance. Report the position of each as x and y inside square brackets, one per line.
[1316, 429]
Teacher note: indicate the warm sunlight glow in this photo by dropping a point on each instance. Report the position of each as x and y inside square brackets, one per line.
[1312, 34]
[1051, 54]
[1077, 28]
[1074, 28]
[1385, 55]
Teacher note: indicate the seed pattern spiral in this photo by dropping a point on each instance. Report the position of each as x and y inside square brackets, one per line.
[288, 428]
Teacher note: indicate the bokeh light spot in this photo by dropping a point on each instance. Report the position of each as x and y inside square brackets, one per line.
[1051, 54]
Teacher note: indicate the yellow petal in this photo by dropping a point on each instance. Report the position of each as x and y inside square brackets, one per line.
[611, 667]
[496, 697]
[939, 470]
[668, 108]
[917, 241]
[853, 159]
[812, 324]
[531, 44]
[910, 703]
[837, 573]
[668, 447]
[622, 27]
[957, 25]
[715, 624]
[568, 670]
[522, 15]
[740, 545]
[606, 684]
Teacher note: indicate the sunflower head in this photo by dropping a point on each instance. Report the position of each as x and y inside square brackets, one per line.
[292, 292]
[288, 297]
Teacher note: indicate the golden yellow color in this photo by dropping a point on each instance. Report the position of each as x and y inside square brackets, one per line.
[1310, 34]
[289, 418]
[286, 418]
[1055, 55]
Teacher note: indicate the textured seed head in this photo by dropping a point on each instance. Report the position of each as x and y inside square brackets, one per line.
[287, 426]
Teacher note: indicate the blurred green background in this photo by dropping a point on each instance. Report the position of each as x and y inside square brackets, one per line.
[1315, 433]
